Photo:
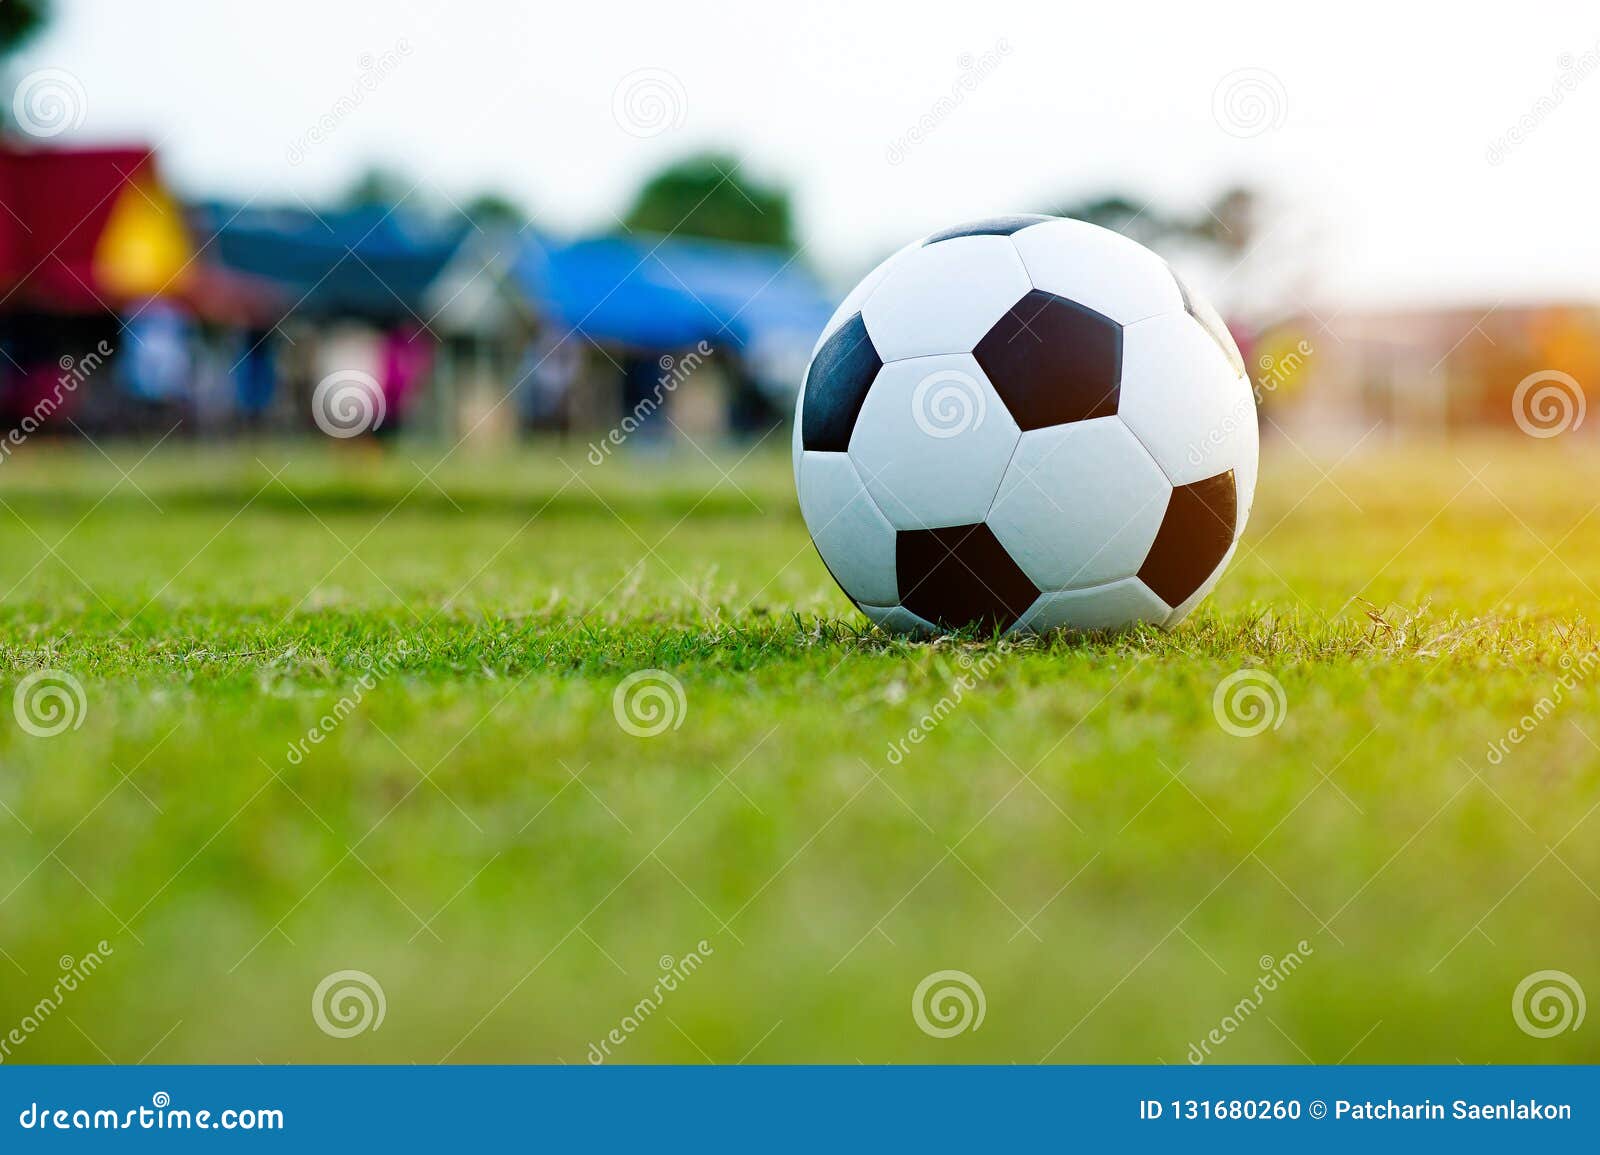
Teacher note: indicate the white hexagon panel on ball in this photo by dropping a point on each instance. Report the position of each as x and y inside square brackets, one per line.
[1080, 504]
[854, 538]
[942, 298]
[1099, 269]
[932, 441]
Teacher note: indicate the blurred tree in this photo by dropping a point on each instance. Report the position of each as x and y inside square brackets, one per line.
[1143, 222]
[378, 187]
[381, 186]
[1227, 225]
[488, 209]
[709, 196]
[20, 20]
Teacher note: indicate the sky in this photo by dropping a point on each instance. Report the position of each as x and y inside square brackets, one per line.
[1381, 135]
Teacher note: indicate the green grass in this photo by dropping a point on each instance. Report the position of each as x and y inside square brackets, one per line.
[1078, 832]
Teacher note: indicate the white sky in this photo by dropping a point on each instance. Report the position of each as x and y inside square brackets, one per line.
[1387, 116]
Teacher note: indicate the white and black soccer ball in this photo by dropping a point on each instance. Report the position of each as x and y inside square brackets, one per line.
[1025, 423]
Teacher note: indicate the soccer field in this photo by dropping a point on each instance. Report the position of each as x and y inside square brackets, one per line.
[1073, 827]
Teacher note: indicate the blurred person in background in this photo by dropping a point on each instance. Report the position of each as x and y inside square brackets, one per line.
[347, 353]
[255, 378]
[644, 400]
[751, 411]
[405, 358]
[157, 366]
[544, 379]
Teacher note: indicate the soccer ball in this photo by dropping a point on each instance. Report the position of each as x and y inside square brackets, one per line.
[1025, 423]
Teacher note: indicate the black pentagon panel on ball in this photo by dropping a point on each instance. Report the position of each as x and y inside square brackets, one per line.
[988, 227]
[836, 385]
[1053, 361]
[960, 575]
[1195, 533]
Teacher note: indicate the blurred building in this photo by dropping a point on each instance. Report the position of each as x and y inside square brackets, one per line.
[96, 257]
[644, 304]
[482, 333]
[1418, 373]
[217, 317]
[354, 283]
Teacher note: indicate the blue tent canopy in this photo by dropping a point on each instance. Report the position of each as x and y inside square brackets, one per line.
[667, 293]
[366, 262]
[648, 294]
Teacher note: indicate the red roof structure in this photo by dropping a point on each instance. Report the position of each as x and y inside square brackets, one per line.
[85, 230]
